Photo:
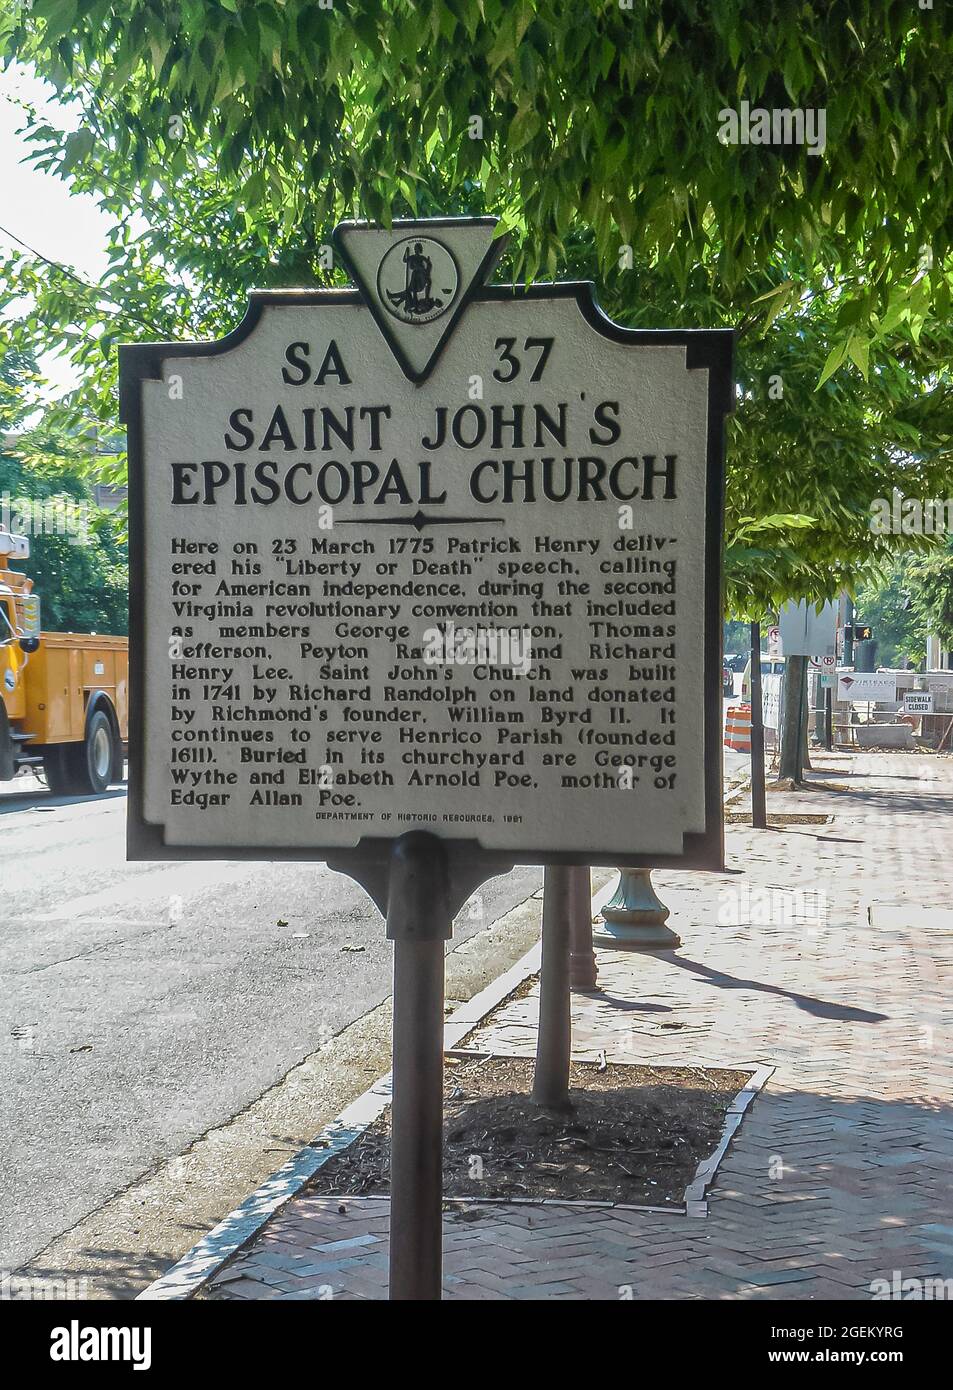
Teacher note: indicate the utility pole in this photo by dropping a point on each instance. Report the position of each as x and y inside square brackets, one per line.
[759, 815]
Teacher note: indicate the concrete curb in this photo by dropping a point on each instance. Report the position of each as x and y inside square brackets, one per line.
[204, 1260]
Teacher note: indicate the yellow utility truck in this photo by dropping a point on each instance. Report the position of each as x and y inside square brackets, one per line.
[64, 695]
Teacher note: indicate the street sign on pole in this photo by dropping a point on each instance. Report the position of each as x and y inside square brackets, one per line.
[825, 667]
[425, 583]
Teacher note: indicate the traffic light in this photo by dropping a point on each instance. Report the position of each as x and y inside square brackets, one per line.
[858, 633]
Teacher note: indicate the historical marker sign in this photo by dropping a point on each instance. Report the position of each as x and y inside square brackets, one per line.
[426, 582]
[428, 554]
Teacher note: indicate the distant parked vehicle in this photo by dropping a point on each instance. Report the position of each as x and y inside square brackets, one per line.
[727, 680]
[63, 694]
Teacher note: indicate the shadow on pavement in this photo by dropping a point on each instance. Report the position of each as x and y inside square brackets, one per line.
[820, 1008]
[40, 799]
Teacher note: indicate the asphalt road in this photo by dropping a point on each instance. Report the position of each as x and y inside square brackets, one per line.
[142, 1004]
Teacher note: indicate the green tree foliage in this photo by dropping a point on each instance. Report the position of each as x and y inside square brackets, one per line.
[78, 559]
[888, 603]
[224, 138]
[77, 562]
[809, 450]
[736, 637]
[806, 467]
[605, 112]
[932, 576]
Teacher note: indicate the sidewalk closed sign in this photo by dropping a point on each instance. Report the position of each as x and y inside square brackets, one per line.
[918, 702]
[867, 685]
[427, 554]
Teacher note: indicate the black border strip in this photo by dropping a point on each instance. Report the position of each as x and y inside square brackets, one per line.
[709, 349]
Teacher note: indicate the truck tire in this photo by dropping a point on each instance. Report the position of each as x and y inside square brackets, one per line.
[87, 768]
[54, 766]
[8, 764]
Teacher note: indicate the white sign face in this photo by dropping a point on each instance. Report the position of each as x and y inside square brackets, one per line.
[866, 685]
[805, 632]
[481, 601]
[918, 702]
[774, 641]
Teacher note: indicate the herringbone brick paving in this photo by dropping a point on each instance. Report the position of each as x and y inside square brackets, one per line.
[840, 1173]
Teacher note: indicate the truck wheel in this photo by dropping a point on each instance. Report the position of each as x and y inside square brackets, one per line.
[55, 765]
[95, 757]
[84, 769]
[8, 764]
[119, 763]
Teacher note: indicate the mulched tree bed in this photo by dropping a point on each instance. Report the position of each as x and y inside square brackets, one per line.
[634, 1134]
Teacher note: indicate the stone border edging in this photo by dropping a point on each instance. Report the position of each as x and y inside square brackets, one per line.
[694, 1196]
[696, 1203]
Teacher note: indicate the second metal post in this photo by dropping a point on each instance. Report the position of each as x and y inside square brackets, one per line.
[418, 922]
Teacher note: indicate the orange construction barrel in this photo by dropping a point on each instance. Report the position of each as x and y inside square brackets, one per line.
[738, 728]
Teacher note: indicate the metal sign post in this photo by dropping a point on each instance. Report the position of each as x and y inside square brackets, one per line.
[554, 1042]
[583, 977]
[418, 923]
[828, 717]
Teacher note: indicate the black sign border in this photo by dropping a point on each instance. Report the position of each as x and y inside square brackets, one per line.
[710, 349]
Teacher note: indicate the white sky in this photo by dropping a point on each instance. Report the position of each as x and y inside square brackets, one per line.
[39, 208]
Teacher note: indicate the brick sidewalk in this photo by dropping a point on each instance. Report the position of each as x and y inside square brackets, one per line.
[840, 1173]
